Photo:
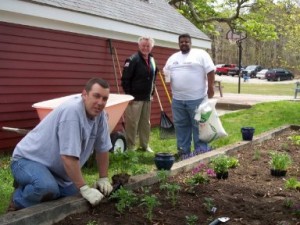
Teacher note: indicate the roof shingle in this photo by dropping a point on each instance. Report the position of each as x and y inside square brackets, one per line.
[153, 14]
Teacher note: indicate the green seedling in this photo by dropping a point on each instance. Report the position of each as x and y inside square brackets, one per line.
[123, 160]
[92, 222]
[256, 155]
[285, 146]
[126, 199]
[191, 220]
[288, 203]
[150, 201]
[172, 192]
[292, 183]
[197, 179]
[295, 139]
[209, 205]
[233, 162]
[162, 177]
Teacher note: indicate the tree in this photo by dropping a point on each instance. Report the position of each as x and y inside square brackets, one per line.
[272, 36]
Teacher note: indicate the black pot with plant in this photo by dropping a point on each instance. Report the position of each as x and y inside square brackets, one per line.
[221, 165]
[280, 162]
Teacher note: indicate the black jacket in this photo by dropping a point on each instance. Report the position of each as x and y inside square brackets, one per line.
[138, 78]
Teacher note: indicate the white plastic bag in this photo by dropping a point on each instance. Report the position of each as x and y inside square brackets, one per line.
[210, 126]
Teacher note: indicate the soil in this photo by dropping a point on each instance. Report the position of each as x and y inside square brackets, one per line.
[249, 196]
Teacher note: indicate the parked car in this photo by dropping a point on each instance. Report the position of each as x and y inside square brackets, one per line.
[234, 71]
[262, 74]
[279, 74]
[251, 70]
[224, 68]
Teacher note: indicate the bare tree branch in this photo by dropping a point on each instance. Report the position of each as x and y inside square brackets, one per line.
[230, 21]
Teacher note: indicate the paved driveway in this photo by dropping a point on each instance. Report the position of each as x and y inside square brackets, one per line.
[247, 99]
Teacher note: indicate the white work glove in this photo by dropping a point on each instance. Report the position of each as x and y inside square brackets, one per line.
[91, 194]
[104, 186]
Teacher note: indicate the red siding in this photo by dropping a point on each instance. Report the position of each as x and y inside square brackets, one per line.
[39, 64]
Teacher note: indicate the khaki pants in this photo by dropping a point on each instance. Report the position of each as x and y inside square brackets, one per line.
[137, 121]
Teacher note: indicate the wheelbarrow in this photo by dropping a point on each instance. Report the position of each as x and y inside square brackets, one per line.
[115, 107]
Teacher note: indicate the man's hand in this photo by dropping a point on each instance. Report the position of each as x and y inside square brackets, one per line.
[91, 194]
[104, 186]
[210, 92]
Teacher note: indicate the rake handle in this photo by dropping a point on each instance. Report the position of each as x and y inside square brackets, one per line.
[158, 98]
[114, 64]
[165, 87]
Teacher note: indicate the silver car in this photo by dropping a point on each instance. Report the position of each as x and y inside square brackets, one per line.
[262, 74]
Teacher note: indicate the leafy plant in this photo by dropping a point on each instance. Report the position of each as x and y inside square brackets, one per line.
[122, 161]
[198, 178]
[220, 163]
[92, 222]
[172, 192]
[292, 183]
[256, 154]
[295, 139]
[285, 146]
[191, 220]
[126, 198]
[233, 162]
[139, 169]
[296, 210]
[288, 203]
[162, 176]
[151, 202]
[200, 175]
[280, 161]
[209, 205]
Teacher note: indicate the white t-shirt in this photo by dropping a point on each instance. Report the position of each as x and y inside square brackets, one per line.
[65, 131]
[188, 74]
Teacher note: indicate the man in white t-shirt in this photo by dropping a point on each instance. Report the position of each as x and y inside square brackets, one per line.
[192, 75]
[46, 163]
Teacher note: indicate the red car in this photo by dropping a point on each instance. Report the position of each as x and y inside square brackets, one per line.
[224, 68]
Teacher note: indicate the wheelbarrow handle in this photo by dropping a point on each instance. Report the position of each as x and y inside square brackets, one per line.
[16, 130]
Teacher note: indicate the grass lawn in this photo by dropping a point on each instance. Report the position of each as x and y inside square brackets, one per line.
[263, 116]
[271, 88]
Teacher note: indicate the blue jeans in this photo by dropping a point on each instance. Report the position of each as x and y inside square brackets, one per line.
[186, 127]
[36, 184]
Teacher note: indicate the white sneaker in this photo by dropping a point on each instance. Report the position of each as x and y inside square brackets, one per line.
[131, 148]
[148, 149]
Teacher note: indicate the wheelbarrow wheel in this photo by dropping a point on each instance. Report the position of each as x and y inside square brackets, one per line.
[118, 142]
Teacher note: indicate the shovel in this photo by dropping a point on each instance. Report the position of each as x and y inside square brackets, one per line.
[219, 220]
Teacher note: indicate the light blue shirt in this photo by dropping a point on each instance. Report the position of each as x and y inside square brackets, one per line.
[65, 131]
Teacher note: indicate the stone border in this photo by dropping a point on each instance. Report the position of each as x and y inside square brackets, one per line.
[52, 212]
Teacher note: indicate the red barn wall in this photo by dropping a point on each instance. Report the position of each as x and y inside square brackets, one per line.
[39, 64]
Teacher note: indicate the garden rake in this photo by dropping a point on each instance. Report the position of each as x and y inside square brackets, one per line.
[166, 129]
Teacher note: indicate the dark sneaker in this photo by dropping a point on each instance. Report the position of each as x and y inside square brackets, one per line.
[202, 150]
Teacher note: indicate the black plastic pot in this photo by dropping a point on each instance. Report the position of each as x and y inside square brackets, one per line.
[278, 173]
[247, 133]
[164, 161]
[223, 175]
